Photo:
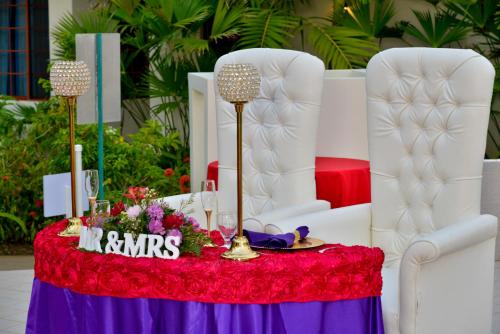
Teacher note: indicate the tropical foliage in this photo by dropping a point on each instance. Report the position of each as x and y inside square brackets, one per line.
[166, 39]
[36, 144]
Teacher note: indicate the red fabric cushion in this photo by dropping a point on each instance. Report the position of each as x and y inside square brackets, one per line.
[281, 276]
[340, 181]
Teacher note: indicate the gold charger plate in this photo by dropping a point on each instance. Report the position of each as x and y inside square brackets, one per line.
[306, 243]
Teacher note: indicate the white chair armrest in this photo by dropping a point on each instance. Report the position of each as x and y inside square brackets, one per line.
[253, 224]
[450, 239]
[349, 225]
[441, 271]
[292, 211]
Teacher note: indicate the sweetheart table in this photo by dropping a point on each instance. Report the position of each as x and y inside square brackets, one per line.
[330, 289]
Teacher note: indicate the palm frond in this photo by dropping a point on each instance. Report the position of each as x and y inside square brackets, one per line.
[68, 26]
[127, 6]
[269, 28]
[340, 47]
[371, 18]
[226, 20]
[437, 30]
[478, 14]
[191, 14]
[497, 17]
[190, 45]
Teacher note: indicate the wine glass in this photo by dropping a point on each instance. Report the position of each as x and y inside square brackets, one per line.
[226, 222]
[208, 200]
[92, 188]
[102, 211]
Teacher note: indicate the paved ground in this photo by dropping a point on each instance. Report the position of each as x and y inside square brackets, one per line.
[16, 262]
[15, 290]
[16, 276]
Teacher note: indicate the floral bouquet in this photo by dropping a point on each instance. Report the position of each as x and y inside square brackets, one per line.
[144, 214]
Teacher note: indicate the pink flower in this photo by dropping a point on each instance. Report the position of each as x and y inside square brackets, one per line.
[133, 212]
[136, 194]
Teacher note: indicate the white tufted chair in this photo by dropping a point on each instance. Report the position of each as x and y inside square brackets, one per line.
[428, 113]
[279, 138]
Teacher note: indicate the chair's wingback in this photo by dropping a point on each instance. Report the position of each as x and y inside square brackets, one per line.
[428, 113]
[279, 132]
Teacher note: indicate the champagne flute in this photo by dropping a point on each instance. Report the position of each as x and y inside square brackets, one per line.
[92, 188]
[226, 222]
[208, 200]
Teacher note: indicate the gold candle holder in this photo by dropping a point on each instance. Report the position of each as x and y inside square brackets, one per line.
[239, 84]
[70, 79]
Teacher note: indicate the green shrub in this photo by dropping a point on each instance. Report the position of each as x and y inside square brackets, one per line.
[38, 145]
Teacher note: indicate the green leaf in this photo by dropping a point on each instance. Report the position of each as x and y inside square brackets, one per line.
[128, 6]
[18, 221]
[226, 20]
[478, 14]
[437, 30]
[340, 47]
[266, 28]
[68, 26]
[371, 18]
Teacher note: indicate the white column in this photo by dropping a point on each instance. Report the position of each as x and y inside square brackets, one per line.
[86, 50]
[78, 179]
[202, 125]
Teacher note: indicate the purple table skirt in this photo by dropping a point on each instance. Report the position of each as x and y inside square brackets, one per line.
[57, 310]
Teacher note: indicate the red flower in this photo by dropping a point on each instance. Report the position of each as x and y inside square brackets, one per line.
[33, 214]
[38, 203]
[5, 178]
[184, 183]
[168, 172]
[117, 208]
[136, 193]
[173, 221]
[186, 159]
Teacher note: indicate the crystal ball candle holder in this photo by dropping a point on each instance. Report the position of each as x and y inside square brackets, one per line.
[238, 83]
[69, 78]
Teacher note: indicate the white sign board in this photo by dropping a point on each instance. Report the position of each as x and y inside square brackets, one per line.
[54, 193]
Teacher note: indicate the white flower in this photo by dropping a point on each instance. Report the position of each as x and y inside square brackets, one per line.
[133, 211]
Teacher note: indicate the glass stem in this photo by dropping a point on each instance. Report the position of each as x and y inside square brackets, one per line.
[208, 213]
[92, 207]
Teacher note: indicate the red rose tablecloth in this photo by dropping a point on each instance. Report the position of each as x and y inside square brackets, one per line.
[340, 181]
[338, 273]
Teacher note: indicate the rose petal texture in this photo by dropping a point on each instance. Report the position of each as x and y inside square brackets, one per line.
[339, 273]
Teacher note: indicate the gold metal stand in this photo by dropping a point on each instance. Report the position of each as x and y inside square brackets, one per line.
[74, 223]
[240, 248]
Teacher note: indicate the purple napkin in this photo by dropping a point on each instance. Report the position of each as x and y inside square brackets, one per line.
[275, 240]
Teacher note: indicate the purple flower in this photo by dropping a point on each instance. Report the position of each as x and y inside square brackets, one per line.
[175, 233]
[155, 226]
[193, 222]
[155, 212]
